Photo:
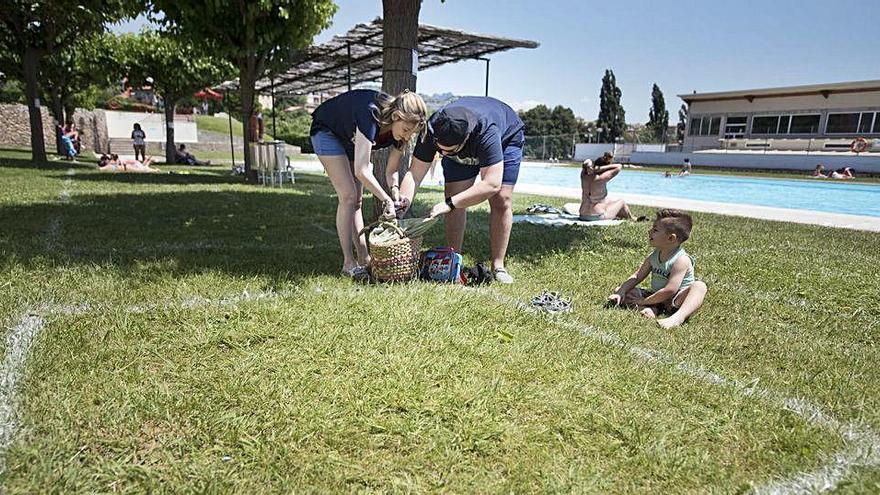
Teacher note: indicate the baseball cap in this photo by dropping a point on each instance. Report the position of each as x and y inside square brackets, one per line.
[450, 126]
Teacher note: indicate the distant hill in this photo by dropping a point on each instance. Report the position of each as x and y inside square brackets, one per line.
[436, 101]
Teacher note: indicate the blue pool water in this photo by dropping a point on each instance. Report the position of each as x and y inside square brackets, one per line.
[808, 194]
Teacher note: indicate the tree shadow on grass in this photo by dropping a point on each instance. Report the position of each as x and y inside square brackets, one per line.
[283, 234]
[240, 232]
[26, 163]
[162, 178]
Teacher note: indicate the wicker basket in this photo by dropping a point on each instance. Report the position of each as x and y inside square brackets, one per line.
[393, 261]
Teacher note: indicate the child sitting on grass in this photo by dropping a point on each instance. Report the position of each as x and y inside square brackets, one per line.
[673, 288]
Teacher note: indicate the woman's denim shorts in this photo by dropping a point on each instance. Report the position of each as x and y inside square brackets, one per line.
[327, 144]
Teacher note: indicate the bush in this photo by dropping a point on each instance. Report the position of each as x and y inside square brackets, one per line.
[304, 142]
[12, 91]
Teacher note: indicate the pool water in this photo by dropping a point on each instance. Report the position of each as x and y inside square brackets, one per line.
[808, 194]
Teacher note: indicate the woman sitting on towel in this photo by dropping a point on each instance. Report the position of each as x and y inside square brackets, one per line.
[595, 203]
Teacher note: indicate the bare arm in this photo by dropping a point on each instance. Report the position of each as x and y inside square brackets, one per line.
[413, 178]
[619, 293]
[608, 172]
[489, 185]
[676, 275]
[635, 279]
[363, 170]
[392, 172]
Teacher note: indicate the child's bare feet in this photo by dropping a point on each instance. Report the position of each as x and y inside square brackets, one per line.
[648, 313]
[668, 323]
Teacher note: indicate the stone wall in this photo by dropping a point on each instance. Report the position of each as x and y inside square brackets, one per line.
[92, 124]
[15, 129]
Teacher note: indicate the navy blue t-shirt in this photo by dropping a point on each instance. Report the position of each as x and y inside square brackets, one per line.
[344, 114]
[495, 127]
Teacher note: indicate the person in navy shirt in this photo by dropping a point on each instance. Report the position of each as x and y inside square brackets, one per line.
[476, 136]
[345, 130]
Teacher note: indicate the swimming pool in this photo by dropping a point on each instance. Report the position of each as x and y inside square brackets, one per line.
[808, 194]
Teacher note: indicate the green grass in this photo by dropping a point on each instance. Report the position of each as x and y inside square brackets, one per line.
[220, 125]
[331, 386]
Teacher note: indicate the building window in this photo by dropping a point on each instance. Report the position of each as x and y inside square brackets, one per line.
[877, 124]
[695, 126]
[735, 127]
[705, 126]
[784, 120]
[865, 123]
[765, 124]
[804, 124]
[842, 123]
[715, 126]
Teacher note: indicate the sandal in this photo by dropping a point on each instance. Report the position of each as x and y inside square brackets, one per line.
[357, 272]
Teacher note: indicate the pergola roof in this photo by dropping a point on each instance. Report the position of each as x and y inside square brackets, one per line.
[326, 66]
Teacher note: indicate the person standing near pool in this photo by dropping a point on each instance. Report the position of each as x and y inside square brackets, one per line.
[345, 130]
[475, 136]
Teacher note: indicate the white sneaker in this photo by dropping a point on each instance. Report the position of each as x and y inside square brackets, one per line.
[501, 276]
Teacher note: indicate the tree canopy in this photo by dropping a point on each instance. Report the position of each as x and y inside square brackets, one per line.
[552, 133]
[258, 38]
[33, 29]
[612, 117]
[177, 66]
[658, 116]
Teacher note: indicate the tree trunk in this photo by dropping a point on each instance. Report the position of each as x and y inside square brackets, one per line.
[169, 129]
[58, 115]
[400, 41]
[31, 66]
[247, 79]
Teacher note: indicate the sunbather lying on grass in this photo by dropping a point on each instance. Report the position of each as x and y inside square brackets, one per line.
[112, 163]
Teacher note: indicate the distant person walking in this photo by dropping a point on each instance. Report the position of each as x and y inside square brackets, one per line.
[138, 142]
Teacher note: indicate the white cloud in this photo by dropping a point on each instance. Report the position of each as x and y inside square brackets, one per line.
[523, 106]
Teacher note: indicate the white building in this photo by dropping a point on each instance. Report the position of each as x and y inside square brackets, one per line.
[819, 117]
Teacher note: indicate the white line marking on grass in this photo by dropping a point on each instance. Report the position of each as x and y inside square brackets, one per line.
[862, 443]
[64, 196]
[18, 344]
[53, 231]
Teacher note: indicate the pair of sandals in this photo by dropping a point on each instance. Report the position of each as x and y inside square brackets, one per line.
[540, 208]
[551, 302]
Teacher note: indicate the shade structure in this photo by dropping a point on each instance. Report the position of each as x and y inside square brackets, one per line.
[356, 57]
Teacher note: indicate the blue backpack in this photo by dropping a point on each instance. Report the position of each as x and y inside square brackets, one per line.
[441, 264]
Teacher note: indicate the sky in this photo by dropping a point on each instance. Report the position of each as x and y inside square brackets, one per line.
[682, 46]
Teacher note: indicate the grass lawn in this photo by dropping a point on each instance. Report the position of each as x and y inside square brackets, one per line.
[195, 336]
[221, 125]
